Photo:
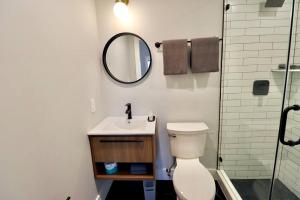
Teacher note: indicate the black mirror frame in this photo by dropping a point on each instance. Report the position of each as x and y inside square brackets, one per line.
[105, 52]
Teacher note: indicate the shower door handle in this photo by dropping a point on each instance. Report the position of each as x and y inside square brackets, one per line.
[282, 126]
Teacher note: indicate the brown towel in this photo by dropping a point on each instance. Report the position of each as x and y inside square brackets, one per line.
[205, 55]
[175, 57]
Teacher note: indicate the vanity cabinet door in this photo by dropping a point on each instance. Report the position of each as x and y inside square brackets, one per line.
[122, 148]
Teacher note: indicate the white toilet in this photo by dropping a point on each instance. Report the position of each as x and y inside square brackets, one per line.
[191, 180]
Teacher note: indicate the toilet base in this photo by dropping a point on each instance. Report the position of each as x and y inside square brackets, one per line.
[191, 180]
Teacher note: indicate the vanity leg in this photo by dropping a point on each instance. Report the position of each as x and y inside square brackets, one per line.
[149, 190]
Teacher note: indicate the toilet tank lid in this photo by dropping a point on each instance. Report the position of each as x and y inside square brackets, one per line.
[187, 127]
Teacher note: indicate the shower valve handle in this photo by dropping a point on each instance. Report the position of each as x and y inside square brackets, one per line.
[282, 126]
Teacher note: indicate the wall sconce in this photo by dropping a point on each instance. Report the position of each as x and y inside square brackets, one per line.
[121, 9]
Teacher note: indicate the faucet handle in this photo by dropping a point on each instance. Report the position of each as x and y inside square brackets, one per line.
[128, 104]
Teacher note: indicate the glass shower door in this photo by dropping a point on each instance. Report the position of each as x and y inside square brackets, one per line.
[257, 45]
[286, 181]
[286, 176]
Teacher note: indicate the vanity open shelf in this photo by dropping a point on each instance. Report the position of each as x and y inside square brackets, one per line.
[124, 172]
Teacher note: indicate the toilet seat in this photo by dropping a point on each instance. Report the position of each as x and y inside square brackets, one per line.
[192, 181]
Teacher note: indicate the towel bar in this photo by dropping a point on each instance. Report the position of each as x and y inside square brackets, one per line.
[158, 44]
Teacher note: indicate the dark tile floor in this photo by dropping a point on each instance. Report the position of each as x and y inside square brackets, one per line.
[258, 189]
[133, 190]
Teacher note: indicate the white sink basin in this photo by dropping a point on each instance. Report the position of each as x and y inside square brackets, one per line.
[138, 125]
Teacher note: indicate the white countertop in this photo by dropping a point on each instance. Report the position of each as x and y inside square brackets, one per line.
[138, 125]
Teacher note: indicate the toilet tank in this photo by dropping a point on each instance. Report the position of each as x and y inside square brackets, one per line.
[187, 140]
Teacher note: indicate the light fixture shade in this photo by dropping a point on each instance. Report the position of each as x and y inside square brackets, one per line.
[121, 9]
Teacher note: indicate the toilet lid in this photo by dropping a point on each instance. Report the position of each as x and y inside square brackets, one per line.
[187, 128]
[192, 181]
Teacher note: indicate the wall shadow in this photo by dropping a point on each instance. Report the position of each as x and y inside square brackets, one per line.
[187, 81]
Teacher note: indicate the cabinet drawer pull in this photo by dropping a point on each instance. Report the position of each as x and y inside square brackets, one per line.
[121, 141]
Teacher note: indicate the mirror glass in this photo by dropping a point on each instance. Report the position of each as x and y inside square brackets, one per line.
[127, 58]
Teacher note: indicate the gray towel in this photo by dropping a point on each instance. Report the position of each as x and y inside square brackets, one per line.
[205, 55]
[175, 57]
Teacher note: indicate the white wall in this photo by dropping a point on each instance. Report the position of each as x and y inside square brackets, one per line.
[192, 97]
[49, 70]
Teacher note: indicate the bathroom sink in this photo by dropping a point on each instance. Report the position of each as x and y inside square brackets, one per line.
[138, 125]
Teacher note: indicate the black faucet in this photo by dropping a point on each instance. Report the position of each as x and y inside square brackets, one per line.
[128, 111]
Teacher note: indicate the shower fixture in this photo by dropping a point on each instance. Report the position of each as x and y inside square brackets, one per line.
[274, 3]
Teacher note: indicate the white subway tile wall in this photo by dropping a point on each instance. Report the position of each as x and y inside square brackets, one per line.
[256, 41]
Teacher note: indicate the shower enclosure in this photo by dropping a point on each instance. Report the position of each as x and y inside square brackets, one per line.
[260, 93]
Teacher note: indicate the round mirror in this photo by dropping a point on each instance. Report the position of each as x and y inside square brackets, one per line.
[127, 58]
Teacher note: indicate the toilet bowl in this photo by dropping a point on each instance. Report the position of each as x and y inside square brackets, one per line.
[191, 180]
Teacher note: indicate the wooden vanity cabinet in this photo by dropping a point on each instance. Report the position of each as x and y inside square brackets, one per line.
[125, 151]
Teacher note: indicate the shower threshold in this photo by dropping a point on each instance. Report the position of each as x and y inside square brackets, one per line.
[227, 187]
